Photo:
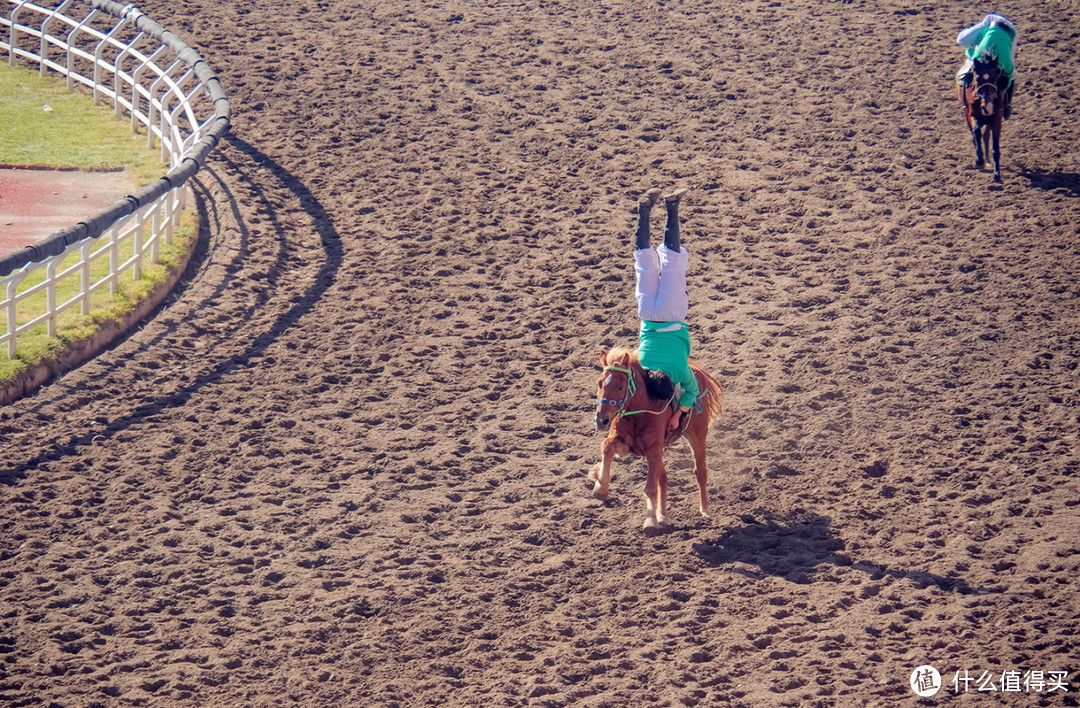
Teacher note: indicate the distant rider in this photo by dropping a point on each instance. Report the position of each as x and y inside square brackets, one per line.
[997, 37]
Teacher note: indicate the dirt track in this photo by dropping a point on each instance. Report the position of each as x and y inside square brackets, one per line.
[346, 463]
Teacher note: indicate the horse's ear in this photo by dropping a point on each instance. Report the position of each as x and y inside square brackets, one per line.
[603, 358]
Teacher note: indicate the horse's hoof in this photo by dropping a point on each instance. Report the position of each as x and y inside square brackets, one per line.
[705, 514]
[598, 493]
[655, 527]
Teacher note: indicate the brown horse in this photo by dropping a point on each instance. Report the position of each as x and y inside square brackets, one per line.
[638, 423]
[983, 102]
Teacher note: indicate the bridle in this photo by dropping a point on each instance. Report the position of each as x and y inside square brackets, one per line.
[986, 90]
[630, 389]
[987, 93]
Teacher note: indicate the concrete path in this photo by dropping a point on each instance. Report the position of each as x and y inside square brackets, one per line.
[35, 203]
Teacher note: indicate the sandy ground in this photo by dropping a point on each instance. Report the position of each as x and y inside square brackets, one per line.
[345, 464]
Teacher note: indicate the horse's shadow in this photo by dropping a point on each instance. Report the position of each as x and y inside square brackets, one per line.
[1052, 180]
[794, 547]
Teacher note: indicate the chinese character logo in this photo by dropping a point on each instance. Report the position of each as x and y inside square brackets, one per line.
[925, 681]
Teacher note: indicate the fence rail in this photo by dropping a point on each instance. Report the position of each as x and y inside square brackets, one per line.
[145, 72]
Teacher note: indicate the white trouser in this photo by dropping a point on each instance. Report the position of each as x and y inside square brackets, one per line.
[661, 284]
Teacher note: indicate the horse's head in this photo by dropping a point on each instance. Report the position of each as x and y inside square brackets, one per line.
[987, 84]
[614, 388]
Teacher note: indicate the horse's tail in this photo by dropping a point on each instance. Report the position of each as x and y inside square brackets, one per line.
[712, 403]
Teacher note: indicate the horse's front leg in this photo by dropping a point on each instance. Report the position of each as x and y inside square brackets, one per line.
[601, 472]
[976, 137]
[701, 471]
[655, 490]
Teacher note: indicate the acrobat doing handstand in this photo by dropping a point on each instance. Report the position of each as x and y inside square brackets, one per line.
[660, 274]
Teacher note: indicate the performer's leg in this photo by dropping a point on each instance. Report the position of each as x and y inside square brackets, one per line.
[646, 264]
[671, 227]
[672, 302]
[647, 277]
[642, 238]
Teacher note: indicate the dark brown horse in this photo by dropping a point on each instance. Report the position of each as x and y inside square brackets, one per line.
[638, 423]
[983, 102]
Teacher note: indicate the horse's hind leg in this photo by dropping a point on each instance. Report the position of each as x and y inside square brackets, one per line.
[661, 488]
[997, 153]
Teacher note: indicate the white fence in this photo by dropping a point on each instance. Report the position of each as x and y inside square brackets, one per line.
[162, 85]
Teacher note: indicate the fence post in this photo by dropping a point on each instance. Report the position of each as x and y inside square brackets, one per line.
[155, 233]
[71, 35]
[12, 34]
[170, 214]
[155, 104]
[136, 85]
[118, 65]
[84, 275]
[43, 53]
[114, 260]
[50, 296]
[12, 327]
[141, 216]
[98, 63]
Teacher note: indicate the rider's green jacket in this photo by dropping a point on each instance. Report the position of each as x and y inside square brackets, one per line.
[665, 346]
[997, 42]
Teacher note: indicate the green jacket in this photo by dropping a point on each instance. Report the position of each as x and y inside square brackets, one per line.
[998, 42]
[665, 346]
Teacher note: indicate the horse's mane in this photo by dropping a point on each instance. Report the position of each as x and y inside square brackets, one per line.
[617, 352]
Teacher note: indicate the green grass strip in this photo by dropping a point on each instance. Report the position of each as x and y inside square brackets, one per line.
[36, 345]
[42, 125]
